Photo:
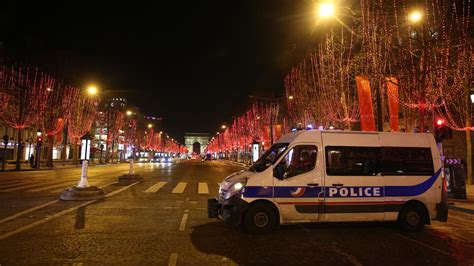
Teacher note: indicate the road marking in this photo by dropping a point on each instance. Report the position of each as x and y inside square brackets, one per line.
[38, 207]
[349, 257]
[59, 214]
[179, 189]
[9, 182]
[29, 186]
[155, 187]
[425, 245]
[51, 187]
[173, 259]
[461, 219]
[93, 184]
[16, 184]
[202, 188]
[182, 225]
[28, 211]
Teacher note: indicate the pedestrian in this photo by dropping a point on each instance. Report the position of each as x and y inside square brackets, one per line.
[32, 161]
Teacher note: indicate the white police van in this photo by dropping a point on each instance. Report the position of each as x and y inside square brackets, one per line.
[337, 176]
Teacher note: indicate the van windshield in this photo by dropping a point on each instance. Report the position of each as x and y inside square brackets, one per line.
[269, 157]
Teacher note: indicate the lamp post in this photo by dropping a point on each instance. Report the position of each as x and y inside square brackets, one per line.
[30, 140]
[85, 156]
[5, 142]
[83, 191]
[39, 142]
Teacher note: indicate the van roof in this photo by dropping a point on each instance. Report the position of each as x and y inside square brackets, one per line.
[315, 135]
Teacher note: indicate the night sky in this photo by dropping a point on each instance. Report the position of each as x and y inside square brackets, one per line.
[193, 63]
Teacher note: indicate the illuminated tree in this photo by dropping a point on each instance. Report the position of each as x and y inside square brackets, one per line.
[114, 118]
[82, 113]
[27, 93]
[54, 118]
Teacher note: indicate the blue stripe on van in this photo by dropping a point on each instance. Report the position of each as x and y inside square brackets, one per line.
[407, 191]
[351, 192]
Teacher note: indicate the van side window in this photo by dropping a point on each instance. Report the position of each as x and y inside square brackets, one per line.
[300, 159]
[352, 161]
[406, 161]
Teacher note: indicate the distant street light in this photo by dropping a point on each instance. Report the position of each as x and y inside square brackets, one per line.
[223, 126]
[150, 125]
[415, 16]
[92, 90]
[129, 113]
[326, 10]
[290, 97]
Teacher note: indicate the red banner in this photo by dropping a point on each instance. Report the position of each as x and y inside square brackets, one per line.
[392, 93]
[367, 122]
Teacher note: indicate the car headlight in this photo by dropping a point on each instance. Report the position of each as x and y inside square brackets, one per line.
[235, 189]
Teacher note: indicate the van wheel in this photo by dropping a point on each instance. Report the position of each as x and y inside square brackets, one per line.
[259, 219]
[412, 218]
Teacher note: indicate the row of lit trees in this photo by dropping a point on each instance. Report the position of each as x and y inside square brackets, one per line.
[260, 123]
[416, 55]
[30, 98]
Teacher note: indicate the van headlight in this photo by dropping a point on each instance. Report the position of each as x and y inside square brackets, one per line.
[235, 189]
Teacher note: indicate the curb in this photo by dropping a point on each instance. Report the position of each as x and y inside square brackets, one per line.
[235, 163]
[452, 207]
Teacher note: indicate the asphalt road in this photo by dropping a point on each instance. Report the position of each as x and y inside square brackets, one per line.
[163, 220]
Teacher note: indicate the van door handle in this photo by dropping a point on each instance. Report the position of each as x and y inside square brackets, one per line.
[337, 185]
[313, 184]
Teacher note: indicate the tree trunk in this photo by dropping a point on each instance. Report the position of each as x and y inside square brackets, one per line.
[469, 178]
[19, 151]
[64, 150]
[49, 151]
[421, 118]
[75, 151]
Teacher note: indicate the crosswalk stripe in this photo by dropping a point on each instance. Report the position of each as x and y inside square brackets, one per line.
[9, 182]
[202, 188]
[156, 187]
[62, 185]
[14, 185]
[179, 188]
[27, 186]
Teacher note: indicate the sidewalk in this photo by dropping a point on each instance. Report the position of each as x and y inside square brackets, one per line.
[234, 162]
[10, 167]
[466, 205]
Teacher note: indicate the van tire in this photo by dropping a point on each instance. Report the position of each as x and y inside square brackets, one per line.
[259, 219]
[412, 218]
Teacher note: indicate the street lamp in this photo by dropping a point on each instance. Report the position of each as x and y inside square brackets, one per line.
[39, 142]
[150, 125]
[129, 113]
[223, 126]
[6, 138]
[83, 191]
[326, 10]
[415, 16]
[92, 90]
[290, 97]
[85, 156]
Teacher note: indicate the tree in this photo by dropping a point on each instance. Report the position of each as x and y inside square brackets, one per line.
[83, 111]
[54, 118]
[26, 88]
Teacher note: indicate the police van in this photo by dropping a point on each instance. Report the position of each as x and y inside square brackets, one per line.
[337, 176]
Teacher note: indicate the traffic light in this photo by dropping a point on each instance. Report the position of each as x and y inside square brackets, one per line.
[441, 130]
[39, 141]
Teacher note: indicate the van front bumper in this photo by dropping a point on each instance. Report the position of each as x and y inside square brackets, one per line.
[230, 210]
